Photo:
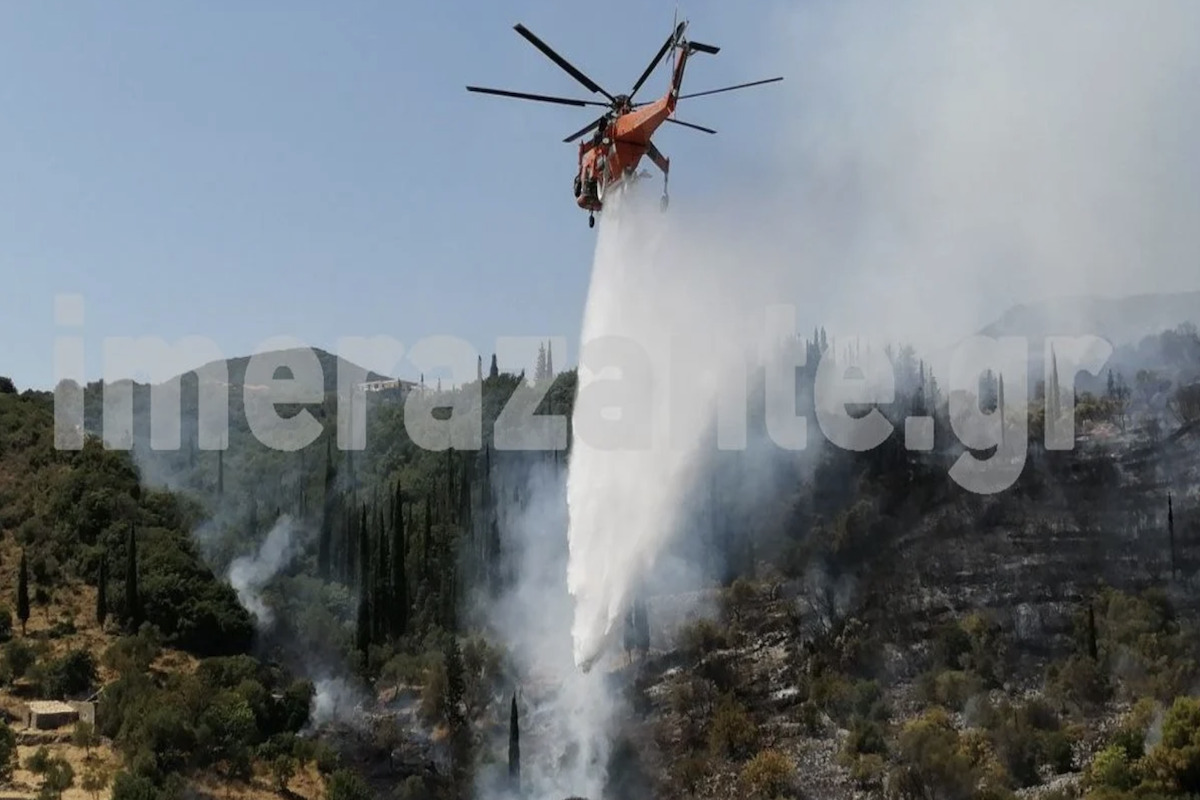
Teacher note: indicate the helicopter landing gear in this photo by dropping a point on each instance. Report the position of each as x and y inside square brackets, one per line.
[591, 220]
[578, 186]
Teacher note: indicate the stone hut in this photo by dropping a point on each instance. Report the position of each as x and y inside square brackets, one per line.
[47, 715]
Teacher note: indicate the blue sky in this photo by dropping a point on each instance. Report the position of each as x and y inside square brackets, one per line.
[241, 171]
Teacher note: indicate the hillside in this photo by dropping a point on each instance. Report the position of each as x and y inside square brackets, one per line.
[223, 380]
[1120, 320]
[272, 635]
[855, 624]
[168, 651]
[1152, 338]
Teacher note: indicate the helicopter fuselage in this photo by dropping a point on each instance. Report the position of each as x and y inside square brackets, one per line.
[615, 150]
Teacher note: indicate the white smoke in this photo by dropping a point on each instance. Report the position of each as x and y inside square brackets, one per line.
[249, 574]
[565, 716]
[335, 700]
[928, 165]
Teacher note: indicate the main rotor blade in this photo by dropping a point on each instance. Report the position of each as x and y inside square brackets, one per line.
[730, 88]
[690, 125]
[582, 131]
[654, 63]
[562, 62]
[566, 101]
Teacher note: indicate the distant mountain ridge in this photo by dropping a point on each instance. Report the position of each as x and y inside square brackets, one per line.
[329, 362]
[1120, 320]
[236, 369]
[239, 393]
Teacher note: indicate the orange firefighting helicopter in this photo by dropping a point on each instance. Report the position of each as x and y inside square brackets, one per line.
[622, 134]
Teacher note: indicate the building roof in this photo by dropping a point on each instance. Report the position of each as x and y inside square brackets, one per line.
[50, 707]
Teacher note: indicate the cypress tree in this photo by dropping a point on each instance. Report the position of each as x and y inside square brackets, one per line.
[364, 549]
[352, 481]
[362, 545]
[630, 632]
[642, 625]
[455, 685]
[325, 545]
[451, 517]
[428, 539]
[1171, 532]
[23, 592]
[362, 634]
[460, 732]
[514, 748]
[346, 549]
[1091, 634]
[133, 600]
[102, 592]
[381, 596]
[365, 629]
[449, 593]
[1000, 406]
[494, 554]
[399, 572]
[1053, 408]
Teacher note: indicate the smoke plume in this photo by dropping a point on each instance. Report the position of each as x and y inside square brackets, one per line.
[566, 716]
[929, 165]
[249, 574]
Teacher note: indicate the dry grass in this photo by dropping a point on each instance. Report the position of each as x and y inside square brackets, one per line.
[77, 602]
[103, 759]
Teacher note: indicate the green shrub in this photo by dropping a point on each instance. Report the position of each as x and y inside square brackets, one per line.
[866, 737]
[933, 761]
[687, 773]
[1056, 751]
[1079, 684]
[346, 785]
[17, 659]
[844, 699]
[810, 718]
[1111, 768]
[733, 733]
[950, 688]
[768, 775]
[72, 674]
[1149, 648]
[951, 647]
[1173, 765]
[8, 752]
[869, 772]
